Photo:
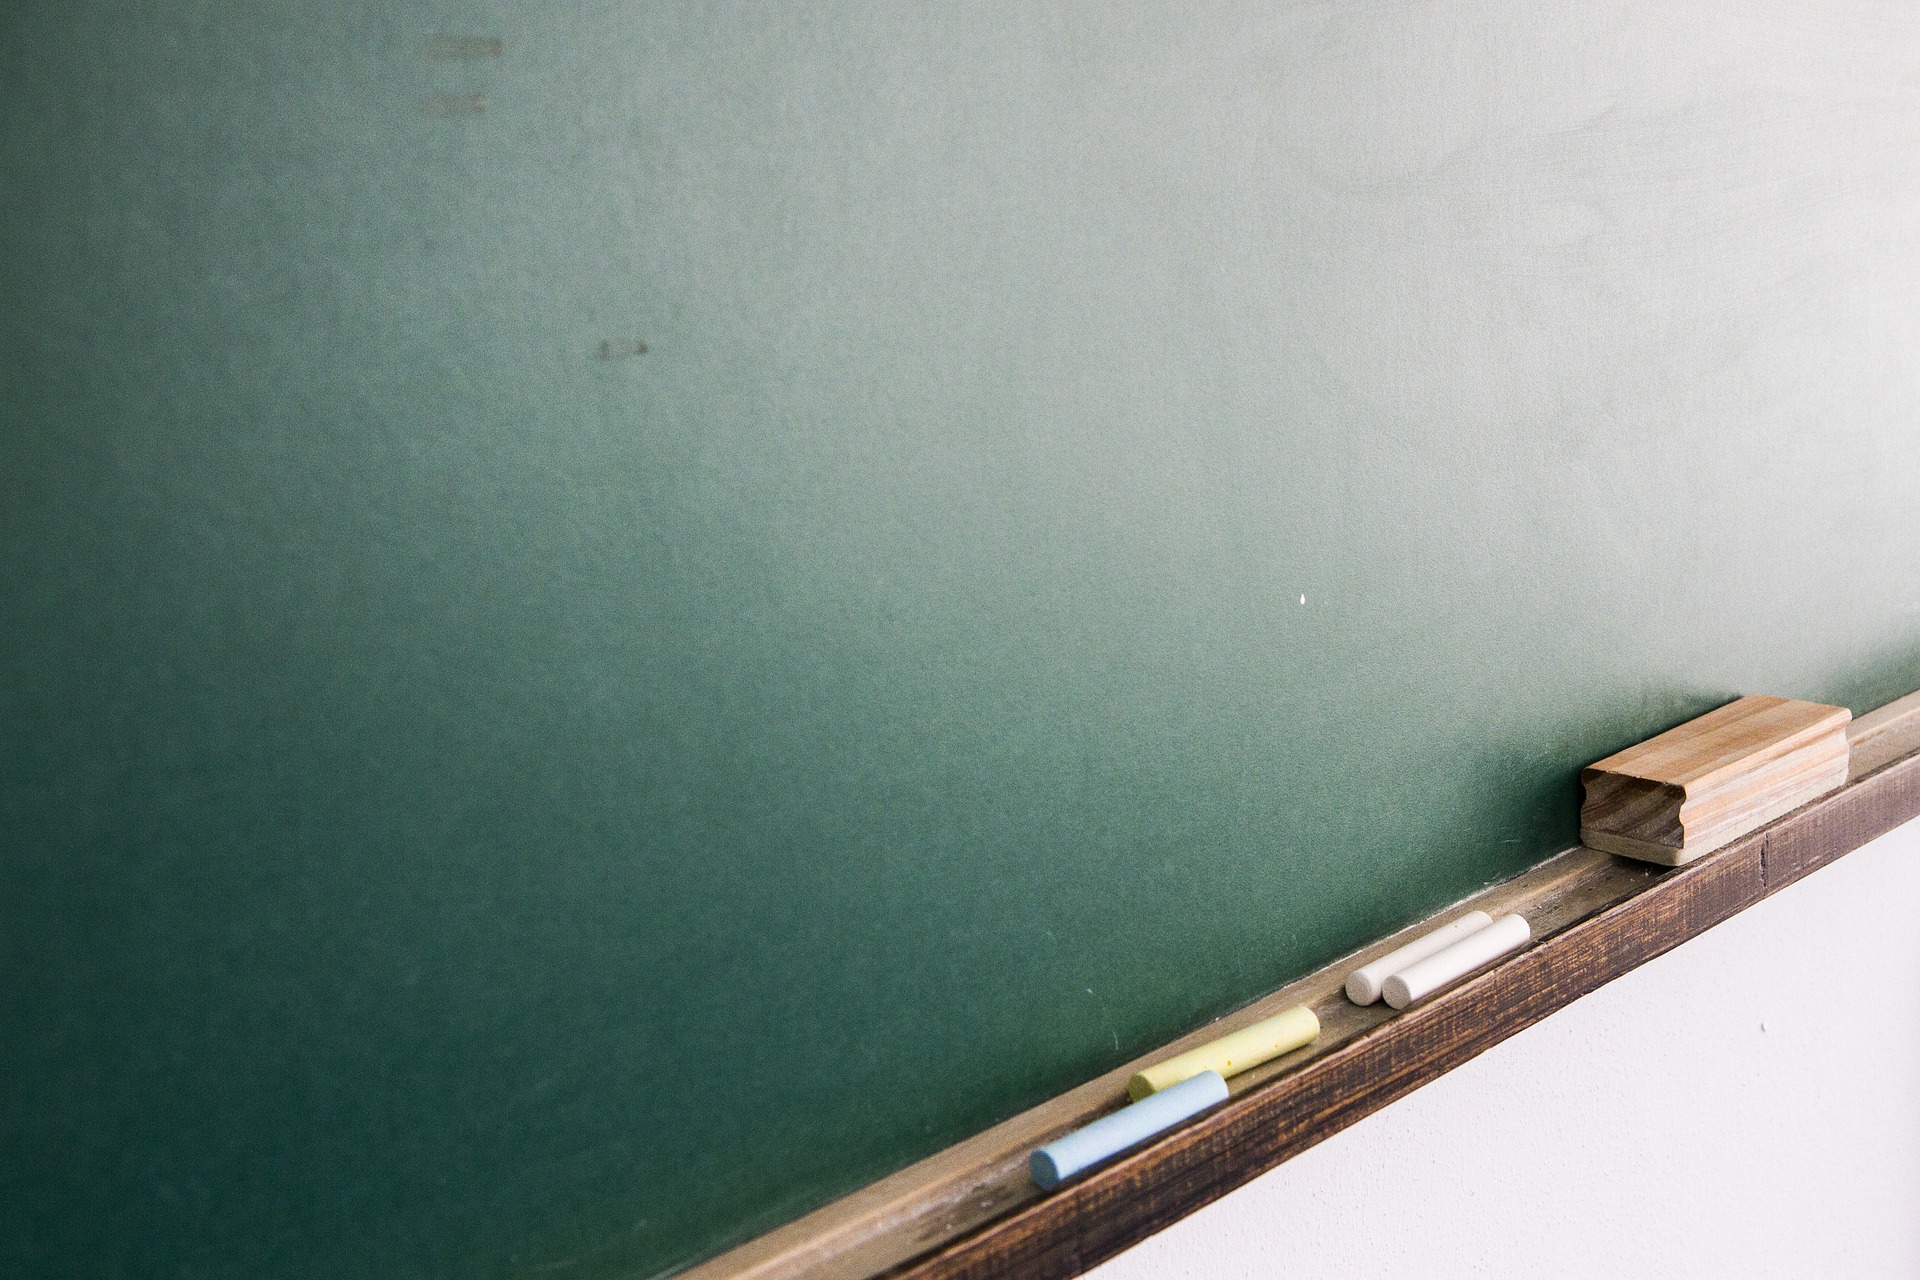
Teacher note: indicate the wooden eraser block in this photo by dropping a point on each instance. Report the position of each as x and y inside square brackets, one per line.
[1712, 780]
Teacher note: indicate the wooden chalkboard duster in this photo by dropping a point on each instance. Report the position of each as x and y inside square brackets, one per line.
[1710, 781]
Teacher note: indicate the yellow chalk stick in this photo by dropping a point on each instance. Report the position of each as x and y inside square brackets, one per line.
[1247, 1047]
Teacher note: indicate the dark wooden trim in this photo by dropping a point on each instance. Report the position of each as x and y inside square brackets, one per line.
[1865, 809]
[1087, 1222]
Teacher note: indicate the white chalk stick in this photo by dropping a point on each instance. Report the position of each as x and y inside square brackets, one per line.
[1130, 1126]
[1506, 934]
[1363, 985]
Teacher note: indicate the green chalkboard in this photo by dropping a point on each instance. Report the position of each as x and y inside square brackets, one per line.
[617, 618]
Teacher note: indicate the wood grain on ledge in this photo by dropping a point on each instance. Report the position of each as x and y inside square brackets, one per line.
[1880, 737]
[971, 1211]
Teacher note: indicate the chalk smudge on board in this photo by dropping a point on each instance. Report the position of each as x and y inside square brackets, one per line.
[1111, 1029]
[444, 105]
[614, 350]
[463, 48]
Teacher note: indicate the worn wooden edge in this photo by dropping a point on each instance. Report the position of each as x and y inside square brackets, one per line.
[971, 1210]
[1864, 810]
[1646, 850]
[1884, 735]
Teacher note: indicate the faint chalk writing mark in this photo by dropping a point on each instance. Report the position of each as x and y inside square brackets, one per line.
[464, 48]
[443, 105]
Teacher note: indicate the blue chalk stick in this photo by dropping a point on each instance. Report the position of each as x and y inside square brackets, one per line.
[1108, 1136]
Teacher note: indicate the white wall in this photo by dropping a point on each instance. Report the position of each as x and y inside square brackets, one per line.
[1748, 1105]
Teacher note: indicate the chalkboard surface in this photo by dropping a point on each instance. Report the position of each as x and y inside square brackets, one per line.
[617, 618]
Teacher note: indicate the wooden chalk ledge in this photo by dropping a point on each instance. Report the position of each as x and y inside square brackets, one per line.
[974, 1211]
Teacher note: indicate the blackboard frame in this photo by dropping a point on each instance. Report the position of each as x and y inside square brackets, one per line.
[966, 1213]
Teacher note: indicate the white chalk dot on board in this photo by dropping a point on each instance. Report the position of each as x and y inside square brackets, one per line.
[1303, 597]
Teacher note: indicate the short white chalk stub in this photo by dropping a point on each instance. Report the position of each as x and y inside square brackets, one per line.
[1130, 1126]
[1424, 977]
[1364, 983]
